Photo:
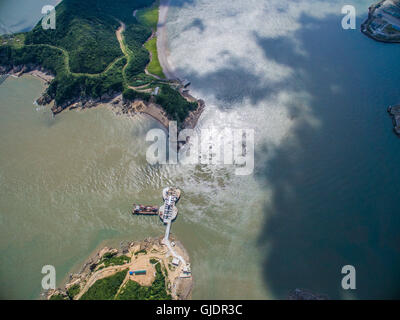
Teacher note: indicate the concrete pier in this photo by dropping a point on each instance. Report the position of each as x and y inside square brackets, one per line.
[168, 213]
[167, 231]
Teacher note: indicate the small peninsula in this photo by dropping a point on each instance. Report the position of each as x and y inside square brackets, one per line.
[383, 22]
[153, 269]
[101, 52]
[141, 270]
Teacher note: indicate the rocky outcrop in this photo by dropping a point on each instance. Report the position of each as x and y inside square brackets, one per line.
[83, 103]
[304, 294]
[3, 70]
[191, 121]
[394, 111]
[19, 70]
[44, 99]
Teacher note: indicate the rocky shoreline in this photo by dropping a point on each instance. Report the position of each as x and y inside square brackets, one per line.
[120, 105]
[30, 69]
[180, 288]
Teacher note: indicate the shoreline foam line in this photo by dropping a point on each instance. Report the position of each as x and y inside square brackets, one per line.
[162, 46]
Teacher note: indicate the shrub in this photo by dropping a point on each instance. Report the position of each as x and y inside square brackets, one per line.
[73, 291]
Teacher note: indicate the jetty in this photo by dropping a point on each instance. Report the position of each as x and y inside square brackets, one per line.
[394, 111]
[168, 212]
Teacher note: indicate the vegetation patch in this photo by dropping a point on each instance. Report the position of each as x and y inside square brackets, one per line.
[110, 259]
[130, 95]
[73, 291]
[58, 297]
[171, 267]
[140, 251]
[173, 104]
[154, 66]
[149, 16]
[105, 289]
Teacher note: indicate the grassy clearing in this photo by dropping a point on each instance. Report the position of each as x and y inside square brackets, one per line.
[16, 40]
[111, 260]
[106, 288]
[157, 291]
[149, 16]
[154, 66]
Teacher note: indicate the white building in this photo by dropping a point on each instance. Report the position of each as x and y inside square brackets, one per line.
[175, 261]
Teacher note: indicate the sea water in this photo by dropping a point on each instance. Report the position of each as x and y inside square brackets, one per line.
[322, 195]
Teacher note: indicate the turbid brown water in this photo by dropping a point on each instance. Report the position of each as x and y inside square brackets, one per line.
[67, 187]
[66, 184]
[326, 178]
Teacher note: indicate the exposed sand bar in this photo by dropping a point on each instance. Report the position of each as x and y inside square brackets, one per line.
[162, 40]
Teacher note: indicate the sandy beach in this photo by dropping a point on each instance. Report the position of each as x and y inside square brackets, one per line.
[153, 110]
[46, 77]
[162, 46]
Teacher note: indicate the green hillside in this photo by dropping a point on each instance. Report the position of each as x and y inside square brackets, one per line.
[85, 54]
[86, 29]
[149, 17]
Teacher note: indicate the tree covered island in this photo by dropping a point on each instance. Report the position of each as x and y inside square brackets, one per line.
[98, 50]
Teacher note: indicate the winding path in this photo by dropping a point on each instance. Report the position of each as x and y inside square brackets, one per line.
[66, 54]
[128, 53]
[120, 38]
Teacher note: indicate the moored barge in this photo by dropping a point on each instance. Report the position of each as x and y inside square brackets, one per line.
[145, 210]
